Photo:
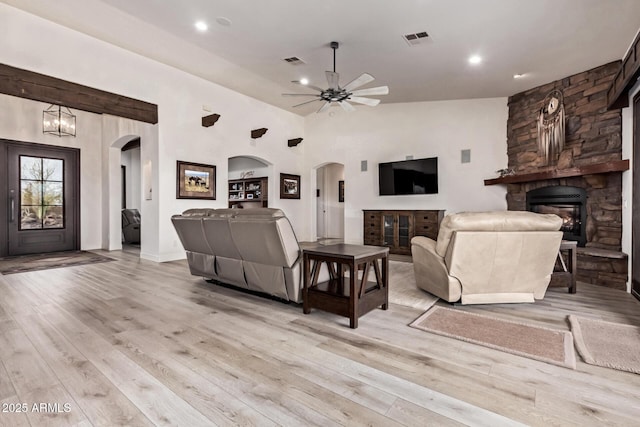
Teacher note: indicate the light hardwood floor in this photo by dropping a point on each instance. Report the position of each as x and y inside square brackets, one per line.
[133, 342]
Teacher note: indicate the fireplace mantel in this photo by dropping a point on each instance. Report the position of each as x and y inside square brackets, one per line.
[598, 168]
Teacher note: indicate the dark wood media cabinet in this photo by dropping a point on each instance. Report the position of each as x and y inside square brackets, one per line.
[396, 228]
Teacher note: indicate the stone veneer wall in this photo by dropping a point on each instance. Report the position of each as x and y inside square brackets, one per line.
[593, 135]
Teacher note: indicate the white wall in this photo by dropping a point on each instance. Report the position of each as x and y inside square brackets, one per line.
[179, 133]
[627, 178]
[240, 165]
[426, 129]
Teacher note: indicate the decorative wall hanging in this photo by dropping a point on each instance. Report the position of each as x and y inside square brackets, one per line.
[257, 133]
[551, 126]
[195, 181]
[210, 120]
[289, 186]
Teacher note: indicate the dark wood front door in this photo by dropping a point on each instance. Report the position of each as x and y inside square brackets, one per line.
[635, 218]
[42, 198]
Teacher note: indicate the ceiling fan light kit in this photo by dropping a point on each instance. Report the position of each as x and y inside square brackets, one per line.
[341, 95]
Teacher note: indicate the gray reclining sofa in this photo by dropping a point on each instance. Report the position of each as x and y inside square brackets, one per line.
[253, 249]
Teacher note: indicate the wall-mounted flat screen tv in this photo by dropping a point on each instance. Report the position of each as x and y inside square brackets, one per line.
[418, 176]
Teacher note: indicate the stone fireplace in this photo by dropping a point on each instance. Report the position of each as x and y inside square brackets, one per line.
[579, 185]
[569, 203]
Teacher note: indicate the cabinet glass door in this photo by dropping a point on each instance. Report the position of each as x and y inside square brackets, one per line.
[387, 229]
[404, 232]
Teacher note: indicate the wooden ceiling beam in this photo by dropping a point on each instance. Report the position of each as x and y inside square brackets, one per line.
[39, 87]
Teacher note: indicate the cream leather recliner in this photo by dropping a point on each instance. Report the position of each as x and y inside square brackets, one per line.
[489, 257]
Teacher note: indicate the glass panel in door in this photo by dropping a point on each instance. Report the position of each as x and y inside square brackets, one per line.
[41, 193]
[387, 229]
[403, 231]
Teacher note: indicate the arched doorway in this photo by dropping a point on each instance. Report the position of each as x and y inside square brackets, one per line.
[330, 202]
[122, 183]
[131, 199]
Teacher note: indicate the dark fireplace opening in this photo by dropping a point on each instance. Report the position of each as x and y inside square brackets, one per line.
[569, 203]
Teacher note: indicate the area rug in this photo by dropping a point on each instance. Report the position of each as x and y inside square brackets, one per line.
[534, 342]
[403, 290]
[611, 345]
[24, 263]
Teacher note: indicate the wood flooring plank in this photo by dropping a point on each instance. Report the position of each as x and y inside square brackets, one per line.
[205, 395]
[336, 407]
[153, 399]
[101, 402]
[429, 399]
[241, 385]
[579, 414]
[410, 414]
[6, 387]
[36, 383]
[177, 348]
[8, 415]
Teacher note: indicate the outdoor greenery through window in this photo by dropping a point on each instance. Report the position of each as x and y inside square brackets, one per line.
[41, 193]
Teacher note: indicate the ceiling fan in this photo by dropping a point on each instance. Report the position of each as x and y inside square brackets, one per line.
[341, 95]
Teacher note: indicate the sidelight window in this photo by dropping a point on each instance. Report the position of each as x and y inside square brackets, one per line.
[41, 193]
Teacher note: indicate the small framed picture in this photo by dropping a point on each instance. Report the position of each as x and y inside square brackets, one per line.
[195, 181]
[289, 186]
[341, 191]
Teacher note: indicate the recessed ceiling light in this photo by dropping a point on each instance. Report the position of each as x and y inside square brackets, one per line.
[304, 81]
[201, 26]
[518, 76]
[475, 59]
[225, 22]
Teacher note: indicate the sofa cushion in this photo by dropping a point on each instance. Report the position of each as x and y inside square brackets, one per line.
[198, 212]
[494, 221]
[265, 241]
[191, 235]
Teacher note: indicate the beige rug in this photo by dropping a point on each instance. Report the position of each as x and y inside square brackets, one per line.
[607, 344]
[24, 263]
[535, 342]
[403, 289]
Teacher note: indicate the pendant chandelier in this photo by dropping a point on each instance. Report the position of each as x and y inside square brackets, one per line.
[58, 120]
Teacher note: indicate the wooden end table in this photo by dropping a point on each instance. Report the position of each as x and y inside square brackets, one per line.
[350, 297]
[568, 268]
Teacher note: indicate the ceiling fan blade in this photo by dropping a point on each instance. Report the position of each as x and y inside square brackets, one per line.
[307, 85]
[347, 107]
[362, 80]
[300, 94]
[366, 101]
[324, 107]
[332, 79]
[380, 90]
[306, 102]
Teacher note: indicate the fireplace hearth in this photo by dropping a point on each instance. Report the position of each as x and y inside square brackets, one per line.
[569, 203]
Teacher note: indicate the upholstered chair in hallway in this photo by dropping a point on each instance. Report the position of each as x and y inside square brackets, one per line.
[489, 257]
[130, 226]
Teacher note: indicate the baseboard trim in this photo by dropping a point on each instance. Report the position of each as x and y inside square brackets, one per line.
[173, 256]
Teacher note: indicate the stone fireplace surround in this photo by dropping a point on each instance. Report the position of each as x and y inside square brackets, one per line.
[593, 136]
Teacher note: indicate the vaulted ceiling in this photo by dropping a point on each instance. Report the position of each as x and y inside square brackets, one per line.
[246, 41]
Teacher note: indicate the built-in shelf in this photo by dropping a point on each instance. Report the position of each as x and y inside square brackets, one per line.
[251, 192]
[598, 168]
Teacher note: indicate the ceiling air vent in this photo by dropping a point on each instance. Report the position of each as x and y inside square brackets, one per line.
[415, 38]
[294, 60]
